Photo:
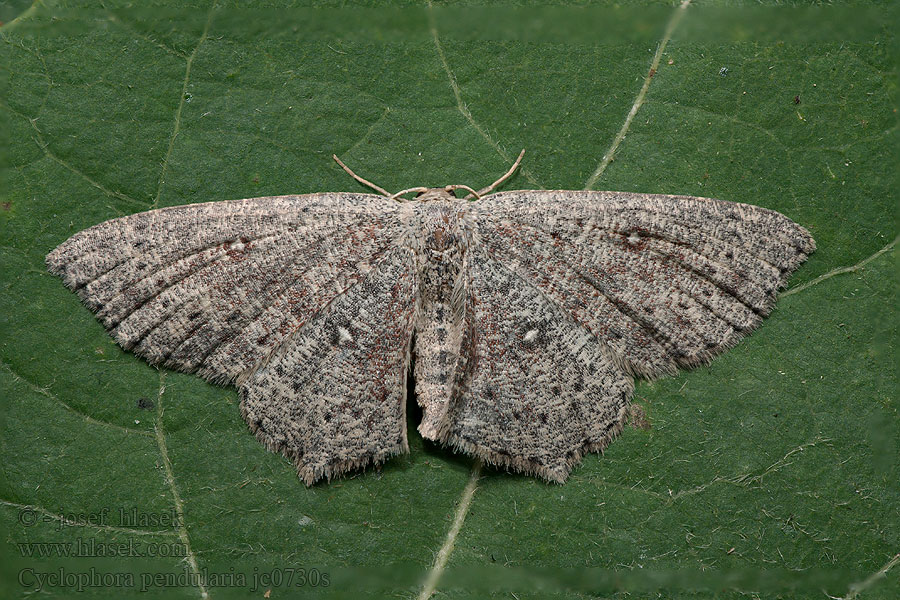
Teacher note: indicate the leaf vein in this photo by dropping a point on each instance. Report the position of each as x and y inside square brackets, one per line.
[178, 111]
[190, 557]
[461, 105]
[639, 99]
[841, 270]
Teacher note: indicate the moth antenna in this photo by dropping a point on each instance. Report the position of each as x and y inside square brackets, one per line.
[406, 191]
[509, 173]
[378, 189]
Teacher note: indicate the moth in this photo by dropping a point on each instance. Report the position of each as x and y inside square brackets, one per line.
[529, 312]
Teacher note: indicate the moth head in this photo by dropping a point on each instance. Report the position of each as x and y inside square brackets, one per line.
[431, 194]
[424, 194]
[444, 194]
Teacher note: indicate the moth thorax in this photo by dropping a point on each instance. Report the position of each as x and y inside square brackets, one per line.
[442, 231]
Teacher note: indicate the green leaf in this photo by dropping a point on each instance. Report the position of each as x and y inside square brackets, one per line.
[772, 473]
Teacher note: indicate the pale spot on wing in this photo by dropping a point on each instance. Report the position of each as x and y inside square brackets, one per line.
[344, 335]
[529, 337]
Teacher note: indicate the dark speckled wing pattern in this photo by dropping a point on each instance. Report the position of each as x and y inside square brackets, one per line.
[531, 311]
[664, 281]
[570, 294]
[304, 302]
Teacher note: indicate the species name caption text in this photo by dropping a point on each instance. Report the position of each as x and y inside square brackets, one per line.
[38, 580]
